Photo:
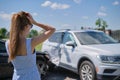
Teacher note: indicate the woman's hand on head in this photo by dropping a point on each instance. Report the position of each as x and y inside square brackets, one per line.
[31, 18]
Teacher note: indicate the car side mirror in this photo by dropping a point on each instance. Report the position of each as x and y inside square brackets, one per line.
[70, 43]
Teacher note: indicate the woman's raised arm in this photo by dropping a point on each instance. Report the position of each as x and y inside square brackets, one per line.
[49, 30]
[45, 35]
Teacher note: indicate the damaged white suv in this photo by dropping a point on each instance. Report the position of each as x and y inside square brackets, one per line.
[90, 53]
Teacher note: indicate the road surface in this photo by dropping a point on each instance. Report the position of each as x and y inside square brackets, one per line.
[61, 74]
[58, 74]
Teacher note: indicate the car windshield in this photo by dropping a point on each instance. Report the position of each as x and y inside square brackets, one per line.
[92, 37]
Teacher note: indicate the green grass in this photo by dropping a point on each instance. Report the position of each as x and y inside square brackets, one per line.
[38, 47]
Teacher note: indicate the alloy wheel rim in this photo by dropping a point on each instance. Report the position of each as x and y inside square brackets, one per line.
[86, 72]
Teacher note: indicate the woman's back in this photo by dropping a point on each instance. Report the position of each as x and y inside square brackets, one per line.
[25, 65]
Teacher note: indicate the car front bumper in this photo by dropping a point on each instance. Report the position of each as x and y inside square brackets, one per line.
[108, 72]
[108, 77]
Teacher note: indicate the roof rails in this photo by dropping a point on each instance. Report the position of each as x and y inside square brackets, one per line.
[63, 30]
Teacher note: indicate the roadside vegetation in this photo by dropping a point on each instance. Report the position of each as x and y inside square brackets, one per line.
[100, 25]
[4, 35]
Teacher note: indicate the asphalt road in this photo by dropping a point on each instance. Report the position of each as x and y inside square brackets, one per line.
[61, 74]
[58, 74]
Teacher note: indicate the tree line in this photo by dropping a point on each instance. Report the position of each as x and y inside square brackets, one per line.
[5, 34]
[100, 23]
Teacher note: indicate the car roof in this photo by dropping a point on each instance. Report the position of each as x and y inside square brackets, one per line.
[3, 41]
[68, 30]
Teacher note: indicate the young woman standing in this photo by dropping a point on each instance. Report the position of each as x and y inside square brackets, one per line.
[21, 49]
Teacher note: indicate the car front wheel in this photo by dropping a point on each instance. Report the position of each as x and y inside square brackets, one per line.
[87, 71]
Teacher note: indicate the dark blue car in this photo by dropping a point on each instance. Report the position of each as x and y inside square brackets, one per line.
[6, 69]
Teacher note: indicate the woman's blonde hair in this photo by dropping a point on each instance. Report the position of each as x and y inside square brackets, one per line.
[18, 23]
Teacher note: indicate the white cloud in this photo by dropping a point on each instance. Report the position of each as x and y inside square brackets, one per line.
[34, 14]
[47, 3]
[85, 17]
[115, 3]
[55, 5]
[5, 16]
[102, 8]
[101, 14]
[59, 6]
[77, 1]
[66, 25]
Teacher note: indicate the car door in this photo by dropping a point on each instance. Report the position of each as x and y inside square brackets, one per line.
[55, 42]
[68, 51]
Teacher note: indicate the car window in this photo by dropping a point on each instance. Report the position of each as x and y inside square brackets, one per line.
[89, 38]
[2, 47]
[56, 37]
[68, 37]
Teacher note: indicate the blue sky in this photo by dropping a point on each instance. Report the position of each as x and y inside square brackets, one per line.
[64, 14]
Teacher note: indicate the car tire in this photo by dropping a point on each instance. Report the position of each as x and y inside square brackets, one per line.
[42, 68]
[87, 71]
